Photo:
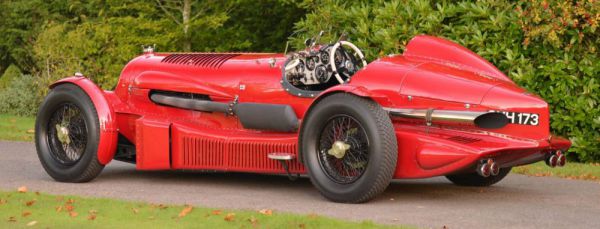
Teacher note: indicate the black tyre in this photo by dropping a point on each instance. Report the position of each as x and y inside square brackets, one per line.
[474, 179]
[67, 135]
[349, 148]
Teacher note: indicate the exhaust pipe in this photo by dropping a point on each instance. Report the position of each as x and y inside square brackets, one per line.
[561, 160]
[552, 160]
[488, 168]
[487, 120]
[494, 168]
[556, 158]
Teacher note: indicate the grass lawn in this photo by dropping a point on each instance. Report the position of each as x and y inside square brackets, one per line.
[579, 171]
[20, 210]
[16, 128]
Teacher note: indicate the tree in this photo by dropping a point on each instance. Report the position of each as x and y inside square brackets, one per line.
[188, 14]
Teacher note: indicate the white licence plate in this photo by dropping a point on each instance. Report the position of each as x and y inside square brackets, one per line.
[521, 118]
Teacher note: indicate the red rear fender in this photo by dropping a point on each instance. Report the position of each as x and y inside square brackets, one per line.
[444, 51]
[106, 116]
[355, 90]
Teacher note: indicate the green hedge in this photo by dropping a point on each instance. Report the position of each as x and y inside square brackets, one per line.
[548, 47]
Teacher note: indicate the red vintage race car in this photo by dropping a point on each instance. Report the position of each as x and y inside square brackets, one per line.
[436, 110]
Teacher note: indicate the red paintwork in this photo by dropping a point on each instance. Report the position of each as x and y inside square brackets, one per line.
[434, 72]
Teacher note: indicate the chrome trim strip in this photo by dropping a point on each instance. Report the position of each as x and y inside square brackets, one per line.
[455, 116]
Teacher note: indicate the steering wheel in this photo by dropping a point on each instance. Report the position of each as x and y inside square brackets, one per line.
[332, 57]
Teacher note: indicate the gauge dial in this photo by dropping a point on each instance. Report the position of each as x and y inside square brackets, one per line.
[310, 63]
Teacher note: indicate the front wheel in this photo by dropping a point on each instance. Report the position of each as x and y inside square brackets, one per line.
[349, 148]
[67, 135]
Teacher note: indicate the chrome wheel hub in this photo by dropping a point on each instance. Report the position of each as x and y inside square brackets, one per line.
[338, 149]
[62, 133]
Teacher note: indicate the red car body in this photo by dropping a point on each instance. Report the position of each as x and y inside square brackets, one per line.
[431, 74]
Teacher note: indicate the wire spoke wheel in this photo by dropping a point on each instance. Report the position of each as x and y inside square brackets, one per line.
[343, 149]
[67, 134]
[349, 148]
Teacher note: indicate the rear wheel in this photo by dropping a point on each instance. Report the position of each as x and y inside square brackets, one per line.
[67, 135]
[349, 148]
[474, 179]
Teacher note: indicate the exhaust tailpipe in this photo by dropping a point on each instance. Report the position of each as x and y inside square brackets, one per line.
[561, 160]
[487, 120]
[552, 161]
[488, 168]
[556, 158]
[494, 168]
[483, 169]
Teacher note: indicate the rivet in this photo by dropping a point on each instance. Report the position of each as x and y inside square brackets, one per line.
[410, 98]
[467, 105]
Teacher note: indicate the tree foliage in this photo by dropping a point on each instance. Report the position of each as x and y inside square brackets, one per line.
[548, 47]
[11, 73]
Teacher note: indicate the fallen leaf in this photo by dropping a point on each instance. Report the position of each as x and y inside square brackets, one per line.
[162, 206]
[253, 221]
[26, 213]
[31, 223]
[69, 208]
[37, 193]
[185, 211]
[3, 201]
[59, 198]
[12, 219]
[302, 225]
[135, 210]
[22, 189]
[93, 212]
[59, 208]
[30, 131]
[266, 212]
[312, 215]
[229, 217]
[73, 214]
[91, 217]
[31, 202]
[216, 212]
[151, 217]
[70, 201]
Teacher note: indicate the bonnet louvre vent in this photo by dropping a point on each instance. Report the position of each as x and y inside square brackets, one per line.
[464, 140]
[206, 60]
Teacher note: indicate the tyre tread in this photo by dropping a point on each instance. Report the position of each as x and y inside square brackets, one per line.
[390, 147]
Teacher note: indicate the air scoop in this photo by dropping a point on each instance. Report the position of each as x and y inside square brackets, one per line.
[487, 120]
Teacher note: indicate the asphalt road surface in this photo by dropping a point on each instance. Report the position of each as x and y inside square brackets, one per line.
[516, 202]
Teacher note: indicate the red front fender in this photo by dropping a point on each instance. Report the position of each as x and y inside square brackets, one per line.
[106, 116]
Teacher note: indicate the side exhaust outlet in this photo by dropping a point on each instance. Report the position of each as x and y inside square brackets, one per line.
[552, 160]
[488, 168]
[556, 158]
[494, 169]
